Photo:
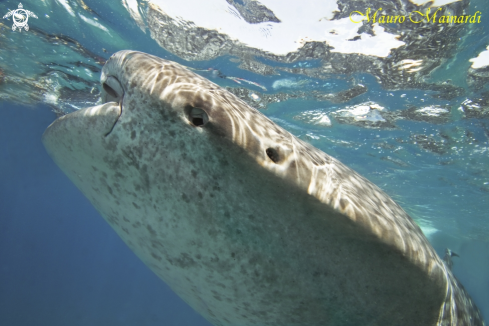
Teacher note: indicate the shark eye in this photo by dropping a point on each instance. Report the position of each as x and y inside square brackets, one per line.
[273, 154]
[113, 91]
[197, 117]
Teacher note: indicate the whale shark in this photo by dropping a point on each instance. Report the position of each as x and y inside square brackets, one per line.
[244, 221]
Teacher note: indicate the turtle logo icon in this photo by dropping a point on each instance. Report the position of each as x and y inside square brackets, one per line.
[20, 17]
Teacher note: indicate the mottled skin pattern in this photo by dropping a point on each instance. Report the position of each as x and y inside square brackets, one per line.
[244, 239]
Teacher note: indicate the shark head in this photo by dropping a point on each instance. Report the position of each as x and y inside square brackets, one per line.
[247, 223]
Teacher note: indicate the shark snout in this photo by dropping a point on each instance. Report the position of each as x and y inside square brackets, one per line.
[84, 127]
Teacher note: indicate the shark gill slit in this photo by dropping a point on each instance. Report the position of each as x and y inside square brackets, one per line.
[117, 120]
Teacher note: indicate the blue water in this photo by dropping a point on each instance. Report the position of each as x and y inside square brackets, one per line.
[61, 264]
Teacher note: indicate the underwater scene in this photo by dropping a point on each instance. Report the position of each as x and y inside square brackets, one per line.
[244, 162]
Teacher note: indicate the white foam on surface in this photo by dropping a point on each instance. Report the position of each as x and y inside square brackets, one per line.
[66, 5]
[482, 60]
[379, 45]
[433, 111]
[301, 21]
[324, 120]
[50, 98]
[132, 7]
[93, 23]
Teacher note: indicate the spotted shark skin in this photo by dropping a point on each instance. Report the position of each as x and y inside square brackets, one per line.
[244, 221]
